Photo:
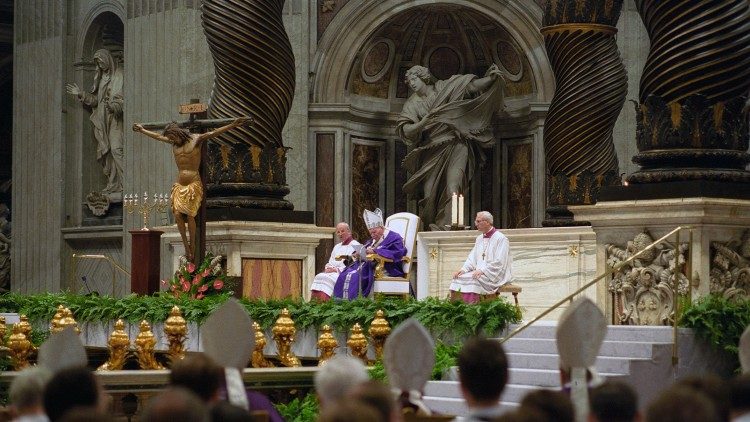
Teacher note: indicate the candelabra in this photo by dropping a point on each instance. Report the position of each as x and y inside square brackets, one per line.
[145, 206]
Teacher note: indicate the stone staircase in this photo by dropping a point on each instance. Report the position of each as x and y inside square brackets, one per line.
[640, 356]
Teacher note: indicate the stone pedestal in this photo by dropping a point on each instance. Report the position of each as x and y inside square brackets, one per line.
[716, 222]
[282, 255]
[548, 263]
[144, 261]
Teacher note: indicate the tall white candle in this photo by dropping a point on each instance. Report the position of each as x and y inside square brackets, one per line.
[454, 209]
[461, 219]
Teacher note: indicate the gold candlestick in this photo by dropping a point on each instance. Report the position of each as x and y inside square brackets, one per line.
[379, 330]
[176, 330]
[145, 344]
[119, 345]
[327, 344]
[358, 344]
[258, 359]
[283, 334]
[145, 205]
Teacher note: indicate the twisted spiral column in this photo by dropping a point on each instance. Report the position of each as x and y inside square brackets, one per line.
[694, 85]
[255, 76]
[591, 87]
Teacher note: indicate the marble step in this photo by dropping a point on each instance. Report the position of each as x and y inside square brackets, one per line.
[631, 349]
[456, 406]
[512, 393]
[547, 329]
[604, 364]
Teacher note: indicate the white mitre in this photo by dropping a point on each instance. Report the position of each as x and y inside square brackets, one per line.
[744, 347]
[580, 333]
[232, 351]
[62, 350]
[373, 218]
[408, 357]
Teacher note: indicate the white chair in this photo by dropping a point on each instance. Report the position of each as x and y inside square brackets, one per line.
[407, 225]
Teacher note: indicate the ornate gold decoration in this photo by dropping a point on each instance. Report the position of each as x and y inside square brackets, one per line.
[54, 325]
[283, 334]
[379, 330]
[3, 332]
[573, 250]
[327, 345]
[20, 348]
[433, 253]
[358, 344]
[380, 264]
[258, 359]
[176, 330]
[67, 320]
[119, 348]
[25, 326]
[144, 347]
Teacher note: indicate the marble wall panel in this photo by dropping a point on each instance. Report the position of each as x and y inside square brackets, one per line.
[325, 166]
[399, 179]
[367, 176]
[271, 278]
[520, 181]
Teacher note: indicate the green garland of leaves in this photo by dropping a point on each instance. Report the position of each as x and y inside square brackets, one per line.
[442, 317]
[719, 321]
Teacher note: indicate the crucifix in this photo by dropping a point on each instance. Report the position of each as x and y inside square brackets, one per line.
[189, 146]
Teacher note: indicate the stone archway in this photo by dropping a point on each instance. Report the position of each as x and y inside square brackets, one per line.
[358, 92]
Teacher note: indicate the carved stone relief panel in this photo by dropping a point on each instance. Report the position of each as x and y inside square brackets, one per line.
[643, 290]
[730, 268]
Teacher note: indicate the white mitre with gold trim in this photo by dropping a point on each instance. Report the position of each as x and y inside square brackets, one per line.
[580, 333]
[232, 351]
[744, 347]
[373, 218]
[408, 357]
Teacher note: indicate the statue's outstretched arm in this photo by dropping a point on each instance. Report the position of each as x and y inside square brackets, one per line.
[218, 131]
[480, 85]
[159, 137]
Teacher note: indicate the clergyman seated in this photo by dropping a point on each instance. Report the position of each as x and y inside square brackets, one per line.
[358, 278]
[322, 285]
[488, 266]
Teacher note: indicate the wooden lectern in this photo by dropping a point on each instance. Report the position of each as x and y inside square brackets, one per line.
[145, 261]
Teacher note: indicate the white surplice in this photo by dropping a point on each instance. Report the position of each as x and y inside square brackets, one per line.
[491, 256]
[324, 282]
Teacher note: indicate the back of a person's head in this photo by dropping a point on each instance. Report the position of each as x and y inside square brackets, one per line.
[682, 404]
[613, 401]
[27, 389]
[224, 411]
[176, 404]
[199, 374]
[349, 411]
[337, 377]
[483, 369]
[86, 414]
[68, 389]
[378, 396]
[739, 395]
[713, 388]
[551, 405]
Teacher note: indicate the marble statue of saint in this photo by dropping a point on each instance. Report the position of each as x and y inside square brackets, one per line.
[104, 100]
[187, 192]
[4, 248]
[446, 124]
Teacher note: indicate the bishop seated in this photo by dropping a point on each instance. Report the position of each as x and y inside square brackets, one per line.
[357, 279]
[341, 256]
[488, 265]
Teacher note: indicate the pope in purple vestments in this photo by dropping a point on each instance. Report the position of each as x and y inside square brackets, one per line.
[385, 243]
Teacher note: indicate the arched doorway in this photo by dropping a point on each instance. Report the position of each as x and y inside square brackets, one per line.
[358, 93]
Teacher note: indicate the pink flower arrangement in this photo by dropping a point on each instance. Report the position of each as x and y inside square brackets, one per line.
[198, 282]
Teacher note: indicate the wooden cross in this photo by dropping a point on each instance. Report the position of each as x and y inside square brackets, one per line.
[196, 123]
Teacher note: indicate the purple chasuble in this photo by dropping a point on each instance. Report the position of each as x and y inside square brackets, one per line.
[347, 285]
